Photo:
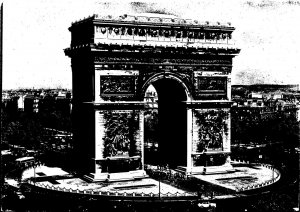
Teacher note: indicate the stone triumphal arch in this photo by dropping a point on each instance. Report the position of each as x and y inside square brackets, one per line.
[115, 59]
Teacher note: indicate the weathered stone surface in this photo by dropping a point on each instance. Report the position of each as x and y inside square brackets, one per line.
[114, 61]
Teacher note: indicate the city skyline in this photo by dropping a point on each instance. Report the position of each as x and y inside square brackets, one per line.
[36, 32]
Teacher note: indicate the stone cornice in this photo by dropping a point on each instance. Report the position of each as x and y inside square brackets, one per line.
[209, 104]
[154, 20]
[120, 105]
[193, 48]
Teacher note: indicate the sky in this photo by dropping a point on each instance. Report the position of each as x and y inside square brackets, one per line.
[36, 32]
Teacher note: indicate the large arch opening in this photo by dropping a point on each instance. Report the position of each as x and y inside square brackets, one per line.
[166, 123]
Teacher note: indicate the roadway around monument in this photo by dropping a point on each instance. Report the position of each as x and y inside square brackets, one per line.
[244, 177]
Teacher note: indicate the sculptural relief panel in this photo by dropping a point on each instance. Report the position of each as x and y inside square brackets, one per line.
[121, 127]
[211, 84]
[211, 128]
[115, 84]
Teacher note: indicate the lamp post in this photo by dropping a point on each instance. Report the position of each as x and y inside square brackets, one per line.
[159, 175]
[159, 187]
[34, 172]
[34, 162]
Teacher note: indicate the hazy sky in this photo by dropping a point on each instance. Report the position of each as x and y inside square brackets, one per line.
[36, 32]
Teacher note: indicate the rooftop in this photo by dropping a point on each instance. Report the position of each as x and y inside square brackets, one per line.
[153, 18]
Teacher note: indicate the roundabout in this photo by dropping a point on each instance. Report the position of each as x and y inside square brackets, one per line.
[161, 183]
[52, 188]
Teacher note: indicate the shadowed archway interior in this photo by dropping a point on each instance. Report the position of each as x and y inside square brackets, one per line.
[172, 117]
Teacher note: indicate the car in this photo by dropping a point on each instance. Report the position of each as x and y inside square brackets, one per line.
[20, 195]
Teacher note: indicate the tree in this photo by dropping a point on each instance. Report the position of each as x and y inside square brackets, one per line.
[26, 131]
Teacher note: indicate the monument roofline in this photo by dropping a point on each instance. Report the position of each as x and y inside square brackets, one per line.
[147, 30]
[154, 19]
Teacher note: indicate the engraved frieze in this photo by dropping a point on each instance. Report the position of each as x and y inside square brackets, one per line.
[165, 32]
[166, 60]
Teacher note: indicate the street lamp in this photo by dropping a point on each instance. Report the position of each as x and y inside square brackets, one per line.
[159, 187]
[159, 175]
[34, 168]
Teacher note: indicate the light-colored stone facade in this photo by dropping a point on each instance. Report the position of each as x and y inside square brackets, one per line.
[114, 61]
